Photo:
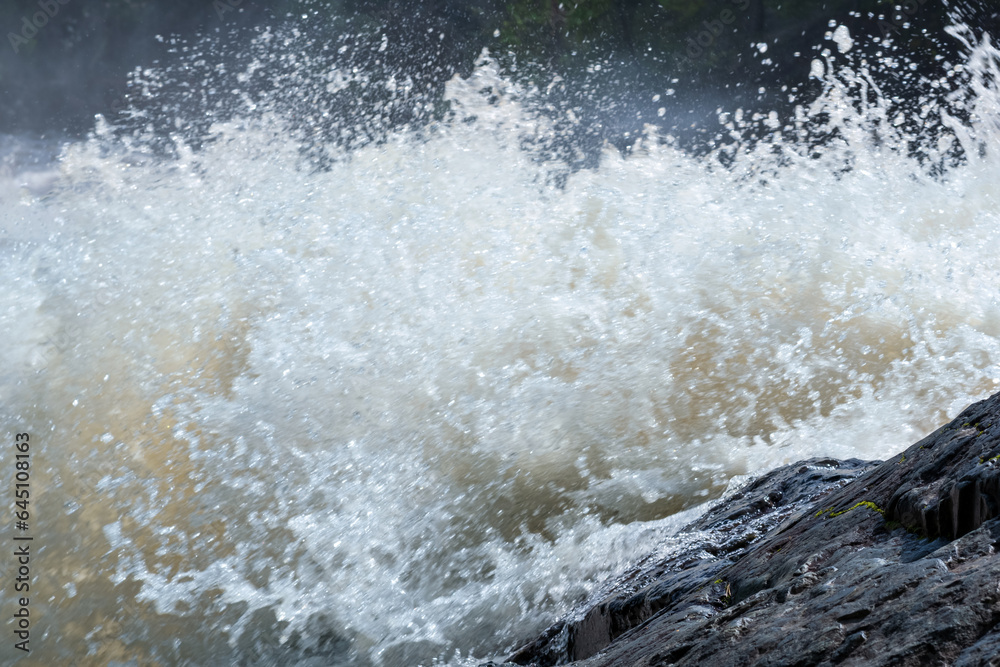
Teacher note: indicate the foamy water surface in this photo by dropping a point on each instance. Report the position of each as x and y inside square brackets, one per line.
[412, 407]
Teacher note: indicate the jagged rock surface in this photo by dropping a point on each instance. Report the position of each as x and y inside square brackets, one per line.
[820, 563]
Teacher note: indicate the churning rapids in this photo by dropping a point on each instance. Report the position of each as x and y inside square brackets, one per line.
[409, 407]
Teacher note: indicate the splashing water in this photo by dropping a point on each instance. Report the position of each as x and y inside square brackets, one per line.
[409, 406]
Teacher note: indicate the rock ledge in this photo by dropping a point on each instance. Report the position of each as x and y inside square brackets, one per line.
[822, 562]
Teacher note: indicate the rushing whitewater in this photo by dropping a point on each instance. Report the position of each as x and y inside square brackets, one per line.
[411, 404]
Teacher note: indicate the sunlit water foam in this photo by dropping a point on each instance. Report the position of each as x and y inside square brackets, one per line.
[405, 409]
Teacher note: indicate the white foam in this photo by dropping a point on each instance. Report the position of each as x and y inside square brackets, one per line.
[842, 36]
[415, 399]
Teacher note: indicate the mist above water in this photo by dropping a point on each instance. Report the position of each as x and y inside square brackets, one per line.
[309, 392]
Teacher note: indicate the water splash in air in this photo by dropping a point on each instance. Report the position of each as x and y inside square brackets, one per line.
[317, 386]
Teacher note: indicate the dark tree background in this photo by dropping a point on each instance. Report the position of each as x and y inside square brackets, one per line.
[62, 61]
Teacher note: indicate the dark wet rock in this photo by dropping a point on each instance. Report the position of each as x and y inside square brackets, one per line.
[819, 563]
[709, 545]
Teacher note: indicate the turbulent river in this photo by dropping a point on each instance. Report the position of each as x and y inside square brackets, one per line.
[411, 406]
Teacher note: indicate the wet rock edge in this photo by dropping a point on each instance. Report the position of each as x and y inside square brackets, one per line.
[821, 562]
